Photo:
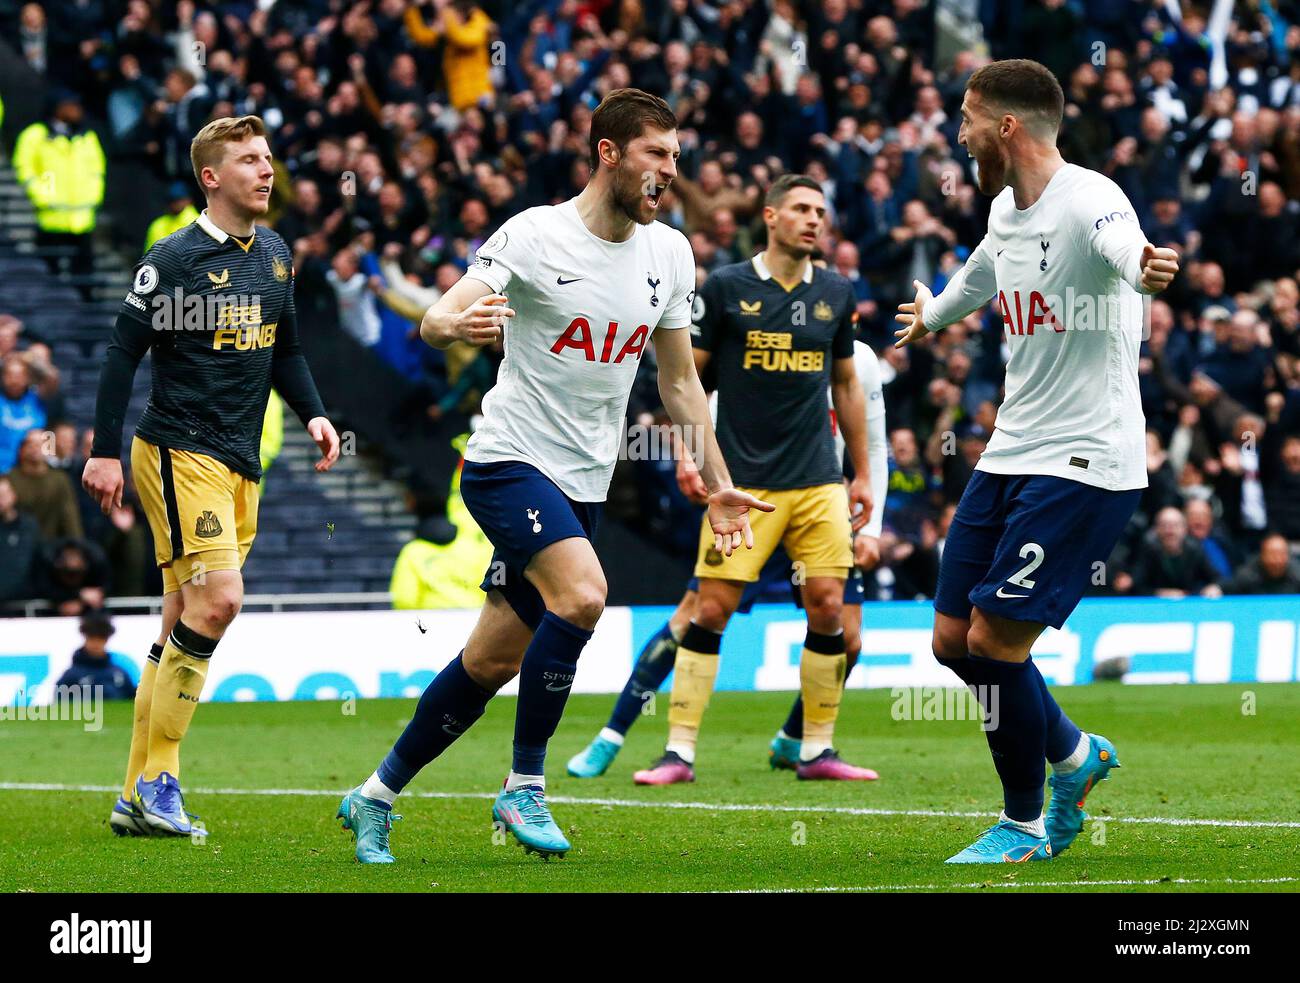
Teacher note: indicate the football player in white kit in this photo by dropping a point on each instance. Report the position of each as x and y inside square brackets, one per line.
[1067, 265]
[590, 281]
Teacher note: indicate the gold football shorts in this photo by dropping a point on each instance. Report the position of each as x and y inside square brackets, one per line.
[202, 514]
[812, 523]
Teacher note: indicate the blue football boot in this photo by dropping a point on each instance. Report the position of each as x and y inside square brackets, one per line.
[594, 760]
[524, 814]
[370, 821]
[162, 804]
[127, 820]
[1004, 843]
[1065, 813]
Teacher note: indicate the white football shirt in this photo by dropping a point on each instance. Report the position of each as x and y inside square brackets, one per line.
[1064, 273]
[585, 309]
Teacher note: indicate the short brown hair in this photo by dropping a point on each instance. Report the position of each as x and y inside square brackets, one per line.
[208, 145]
[623, 115]
[1023, 88]
[786, 183]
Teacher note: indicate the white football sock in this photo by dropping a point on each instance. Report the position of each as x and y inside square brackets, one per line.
[1075, 761]
[1034, 828]
[514, 781]
[810, 749]
[683, 751]
[613, 736]
[375, 789]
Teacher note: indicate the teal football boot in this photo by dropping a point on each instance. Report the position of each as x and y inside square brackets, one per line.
[1004, 843]
[1065, 813]
[524, 814]
[594, 760]
[784, 753]
[370, 821]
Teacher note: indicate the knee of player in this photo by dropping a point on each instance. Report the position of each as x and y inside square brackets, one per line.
[983, 643]
[583, 604]
[825, 613]
[217, 612]
[852, 642]
[711, 614]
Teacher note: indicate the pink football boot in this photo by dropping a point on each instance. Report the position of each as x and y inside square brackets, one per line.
[829, 766]
[668, 770]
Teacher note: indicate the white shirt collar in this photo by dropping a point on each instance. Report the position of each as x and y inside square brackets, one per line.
[210, 227]
[765, 274]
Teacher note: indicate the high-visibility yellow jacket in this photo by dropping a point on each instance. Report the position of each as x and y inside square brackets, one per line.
[165, 224]
[272, 432]
[428, 576]
[63, 177]
[466, 61]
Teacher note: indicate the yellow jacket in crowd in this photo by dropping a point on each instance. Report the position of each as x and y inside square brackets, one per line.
[63, 176]
[167, 223]
[465, 59]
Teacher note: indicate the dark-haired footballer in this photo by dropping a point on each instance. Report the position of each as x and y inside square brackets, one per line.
[778, 330]
[1067, 265]
[592, 282]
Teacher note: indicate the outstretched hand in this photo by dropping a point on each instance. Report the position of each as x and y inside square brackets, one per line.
[729, 519]
[909, 315]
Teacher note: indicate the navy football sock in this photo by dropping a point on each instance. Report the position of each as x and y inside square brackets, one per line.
[652, 667]
[1062, 733]
[447, 708]
[1016, 730]
[793, 726]
[545, 679]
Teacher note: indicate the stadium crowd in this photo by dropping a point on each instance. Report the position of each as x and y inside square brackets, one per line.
[407, 132]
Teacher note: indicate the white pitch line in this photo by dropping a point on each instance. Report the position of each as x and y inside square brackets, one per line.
[699, 806]
[1015, 884]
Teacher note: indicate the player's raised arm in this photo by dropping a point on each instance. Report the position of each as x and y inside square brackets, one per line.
[470, 311]
[475, 309]
[684, 399]
[967, 291]
[1111, 230]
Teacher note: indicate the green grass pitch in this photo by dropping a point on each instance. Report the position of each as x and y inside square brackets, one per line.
[1188, 753]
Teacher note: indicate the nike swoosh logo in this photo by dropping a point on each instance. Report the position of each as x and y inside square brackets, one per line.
[551, 687]
[451, 731]
[1001, 251]
[1002, 594]
[561, 281]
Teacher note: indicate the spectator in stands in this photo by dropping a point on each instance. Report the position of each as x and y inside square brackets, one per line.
[1217, 544]
[76, 576]
[20, 547]
[99, 672]
[355, 294]
[180, 213]
[45, 493]
[60, 164]
[21, 408]
[1273, 571]
[466, 32]
[1170, 564]
[908, 500]
[1240, 366]
[1282, 494]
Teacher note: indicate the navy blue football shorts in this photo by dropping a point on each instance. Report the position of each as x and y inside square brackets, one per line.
[1026, 547]
[521, 511]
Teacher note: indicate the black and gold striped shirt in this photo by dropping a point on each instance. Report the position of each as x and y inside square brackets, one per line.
[218, 314]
